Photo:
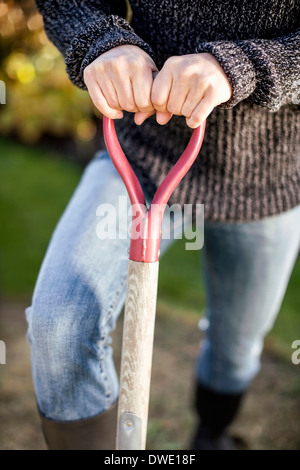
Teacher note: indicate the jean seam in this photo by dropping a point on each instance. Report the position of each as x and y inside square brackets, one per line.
[213, 374]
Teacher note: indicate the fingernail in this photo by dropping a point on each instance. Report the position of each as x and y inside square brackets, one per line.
[192, 124]
[119, 116]
[160, 121]
[139, 122]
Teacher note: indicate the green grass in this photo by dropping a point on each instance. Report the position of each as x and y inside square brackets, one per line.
[180, 279]
[287, 326]
[34, 189]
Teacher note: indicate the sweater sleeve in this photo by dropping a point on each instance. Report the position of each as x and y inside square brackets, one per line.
[84, 29]
[264, 71]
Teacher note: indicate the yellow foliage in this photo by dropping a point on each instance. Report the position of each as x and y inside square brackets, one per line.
[39, 96]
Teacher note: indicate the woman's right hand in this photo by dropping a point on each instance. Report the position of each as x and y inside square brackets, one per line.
[121, 79]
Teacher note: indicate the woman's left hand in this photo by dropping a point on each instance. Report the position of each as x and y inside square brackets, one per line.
[191, 86]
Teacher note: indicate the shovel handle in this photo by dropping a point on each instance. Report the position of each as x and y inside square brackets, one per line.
[136, 361]
[146, 247]
[142, 280]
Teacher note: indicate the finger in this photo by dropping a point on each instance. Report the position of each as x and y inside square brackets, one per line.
[161, 88]
[124, 91]
[100, 102]
[140, 117]
[163, 118]
[177, 97]
[193, 98]
[201, 112]
[110, 94]
[142, 85]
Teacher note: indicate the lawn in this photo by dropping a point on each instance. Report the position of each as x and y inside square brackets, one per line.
[34, 188]
[36, 185]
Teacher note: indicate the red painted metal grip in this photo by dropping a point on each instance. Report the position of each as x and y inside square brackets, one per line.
[145, 248]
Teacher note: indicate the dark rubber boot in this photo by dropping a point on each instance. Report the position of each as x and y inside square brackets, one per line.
[96, 433]
[216, 412]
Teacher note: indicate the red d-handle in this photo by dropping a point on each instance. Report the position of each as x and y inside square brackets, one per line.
[146, 247]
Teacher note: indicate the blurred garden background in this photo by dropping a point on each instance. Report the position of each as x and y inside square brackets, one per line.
[49, 130]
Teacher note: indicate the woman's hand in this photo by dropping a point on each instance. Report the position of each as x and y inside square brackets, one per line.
[121, 79]
[191, 86]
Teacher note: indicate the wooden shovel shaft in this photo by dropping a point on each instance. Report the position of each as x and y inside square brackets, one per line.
[142, 280]
[136, 361]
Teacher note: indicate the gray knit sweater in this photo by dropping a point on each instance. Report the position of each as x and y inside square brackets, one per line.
[249, 165]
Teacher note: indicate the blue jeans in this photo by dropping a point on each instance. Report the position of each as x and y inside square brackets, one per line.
[80, 292]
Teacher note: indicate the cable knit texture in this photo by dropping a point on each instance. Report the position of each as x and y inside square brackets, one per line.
[249, 164]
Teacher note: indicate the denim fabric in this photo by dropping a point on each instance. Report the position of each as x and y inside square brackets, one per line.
[80, 292]
[247, 269]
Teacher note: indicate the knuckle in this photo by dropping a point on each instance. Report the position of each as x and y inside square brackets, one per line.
[198, 117]
[195, 119]
[88, 72]
[172, 60]
[117, 66]
[112, 103]
[160, 107]
[114, 66]
[186, 110]
[157, 101]
[143, 103]
[135, 61]
[173, 108]
[131, 109]
[98, 67]
[191, 122]
[145, 106]
[212, 88]
[129, 106]
[99, 105]
[110, 113]
[195, 73]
